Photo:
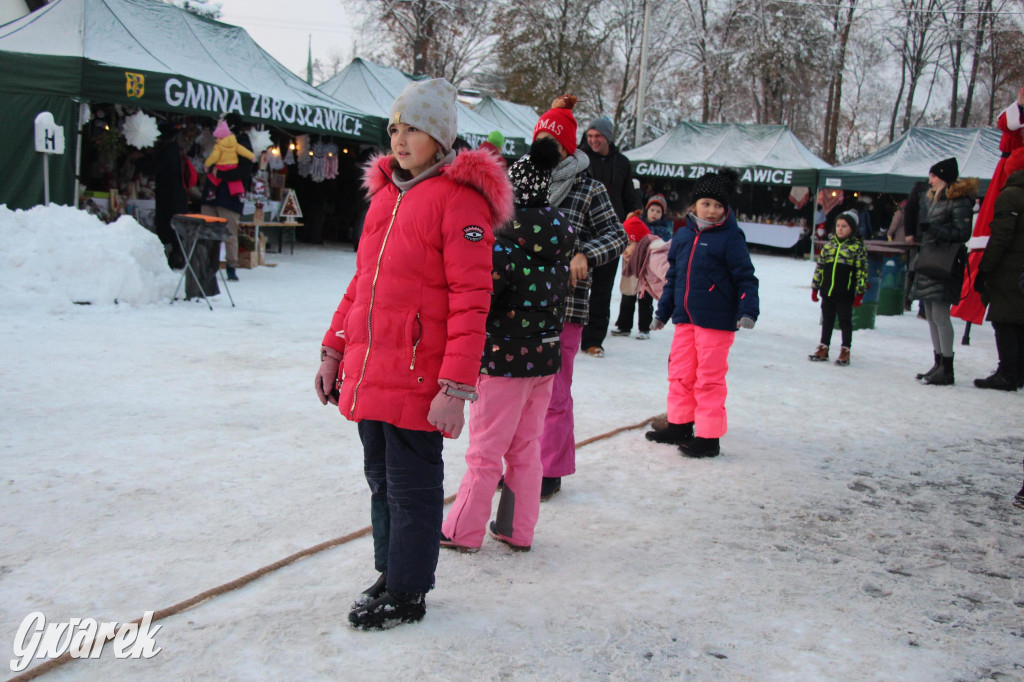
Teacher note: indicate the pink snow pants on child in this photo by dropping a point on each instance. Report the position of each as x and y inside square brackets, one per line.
[506, 421]
[558, 445]
[697, 365]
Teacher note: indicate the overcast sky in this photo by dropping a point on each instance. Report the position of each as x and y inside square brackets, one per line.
[284, 28]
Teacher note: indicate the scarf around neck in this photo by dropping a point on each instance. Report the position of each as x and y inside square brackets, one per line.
[404, 183]
[564, 175]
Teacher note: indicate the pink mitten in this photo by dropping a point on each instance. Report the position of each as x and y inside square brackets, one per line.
[326, 380]
[446, 409]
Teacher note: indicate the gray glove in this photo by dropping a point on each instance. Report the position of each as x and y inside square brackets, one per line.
[657, 324]
[745, 323]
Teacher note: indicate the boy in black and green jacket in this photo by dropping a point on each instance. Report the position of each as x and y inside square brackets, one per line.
[841, 278]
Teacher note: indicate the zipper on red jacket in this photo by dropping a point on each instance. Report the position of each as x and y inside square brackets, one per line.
[416, 343]
[369, 312]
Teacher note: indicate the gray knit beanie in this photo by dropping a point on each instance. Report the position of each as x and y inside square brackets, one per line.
[603, 125]
[430, 106]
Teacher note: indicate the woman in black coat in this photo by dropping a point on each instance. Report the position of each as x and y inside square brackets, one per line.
[949, 222]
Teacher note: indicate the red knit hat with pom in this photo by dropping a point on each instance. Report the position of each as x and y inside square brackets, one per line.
[635, 229]
[560, 123]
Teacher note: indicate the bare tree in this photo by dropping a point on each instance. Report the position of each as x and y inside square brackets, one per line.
[918, 46]
[840, 20]
[201, 8]
[545, 48]
[439, 38]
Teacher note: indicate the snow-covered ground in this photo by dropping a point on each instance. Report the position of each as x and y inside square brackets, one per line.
[857, 526]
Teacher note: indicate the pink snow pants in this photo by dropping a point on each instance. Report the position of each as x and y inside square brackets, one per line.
[558, 445]
[506, 421]
[697, 365]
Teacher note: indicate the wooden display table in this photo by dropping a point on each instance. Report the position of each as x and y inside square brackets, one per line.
[281, 228]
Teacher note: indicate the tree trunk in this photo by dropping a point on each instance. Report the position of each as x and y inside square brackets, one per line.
[979, 41]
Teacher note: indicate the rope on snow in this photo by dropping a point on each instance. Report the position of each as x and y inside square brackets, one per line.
[54, 663]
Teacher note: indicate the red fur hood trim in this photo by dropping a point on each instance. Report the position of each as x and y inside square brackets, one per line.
[478, 169]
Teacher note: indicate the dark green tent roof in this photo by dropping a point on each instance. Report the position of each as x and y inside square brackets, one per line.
[897, 166]
[151, 54]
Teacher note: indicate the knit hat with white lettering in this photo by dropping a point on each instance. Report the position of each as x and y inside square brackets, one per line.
[718, 186]
[430, 106]
[560, 123]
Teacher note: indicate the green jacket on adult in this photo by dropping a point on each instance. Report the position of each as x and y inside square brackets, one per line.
[1004, 255]
[949, 222]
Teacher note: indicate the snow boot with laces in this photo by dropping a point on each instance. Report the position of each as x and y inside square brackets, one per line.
[820, 355]
[388, 610]
[935, 368]
[673, 434]
[844, 357]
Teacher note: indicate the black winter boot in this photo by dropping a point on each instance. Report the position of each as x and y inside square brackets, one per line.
[548, 487]
[935, 368]
[232, 275]
[673, 434]
[700, 447]
[942, 376]
[371, 592]
[1018, 499]
[388, 610]
[997, 381]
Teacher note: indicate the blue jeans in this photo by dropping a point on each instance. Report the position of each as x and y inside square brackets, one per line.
[405, 472]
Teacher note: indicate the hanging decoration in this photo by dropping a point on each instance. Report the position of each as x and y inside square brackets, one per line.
[799, 196]
[140, 130]
[289, 158]
[304, 155]
[260, 140]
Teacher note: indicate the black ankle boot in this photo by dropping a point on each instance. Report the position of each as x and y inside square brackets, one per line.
[673, 434]
[232, 275]
[371, 592]
[997, 381]
[548, 487]
[388, 610]
[700, 447]
[935, 367]
[943, 376]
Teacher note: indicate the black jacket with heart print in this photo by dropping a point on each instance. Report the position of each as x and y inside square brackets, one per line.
[531, 289]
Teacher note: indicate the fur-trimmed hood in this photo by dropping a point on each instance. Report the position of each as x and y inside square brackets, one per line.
[963, 187]
[478, 169]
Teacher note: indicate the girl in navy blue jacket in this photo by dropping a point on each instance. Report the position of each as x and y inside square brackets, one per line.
[711, 291]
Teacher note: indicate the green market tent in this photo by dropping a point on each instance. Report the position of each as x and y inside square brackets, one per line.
[147, 54]
[763, 154]
[505, 115]
[373, 87]
[897, 166]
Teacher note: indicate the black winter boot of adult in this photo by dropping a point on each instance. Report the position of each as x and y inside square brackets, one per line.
[935, 368]
[388, 610]
[673, 434]
[943, 376]
[997, 381]
[371, 592]
[700, 447]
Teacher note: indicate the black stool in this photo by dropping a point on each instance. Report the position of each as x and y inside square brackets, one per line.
[190, 229]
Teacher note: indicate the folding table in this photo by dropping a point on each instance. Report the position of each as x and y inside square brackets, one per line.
[190, 229]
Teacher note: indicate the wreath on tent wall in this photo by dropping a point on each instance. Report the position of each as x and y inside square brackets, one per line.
[110, 143]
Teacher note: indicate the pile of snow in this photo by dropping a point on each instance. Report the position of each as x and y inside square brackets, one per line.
[57, 256]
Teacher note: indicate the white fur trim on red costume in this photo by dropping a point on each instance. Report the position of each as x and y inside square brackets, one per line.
[1013, 117]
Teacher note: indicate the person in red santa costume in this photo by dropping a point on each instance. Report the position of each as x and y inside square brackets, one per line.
[1010, 122]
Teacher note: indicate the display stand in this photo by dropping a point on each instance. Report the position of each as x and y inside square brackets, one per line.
[190, 229]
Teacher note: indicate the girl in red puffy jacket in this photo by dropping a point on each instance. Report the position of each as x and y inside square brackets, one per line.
[403, 350]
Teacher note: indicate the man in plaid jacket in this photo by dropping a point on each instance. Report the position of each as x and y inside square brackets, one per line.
[601, 239]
